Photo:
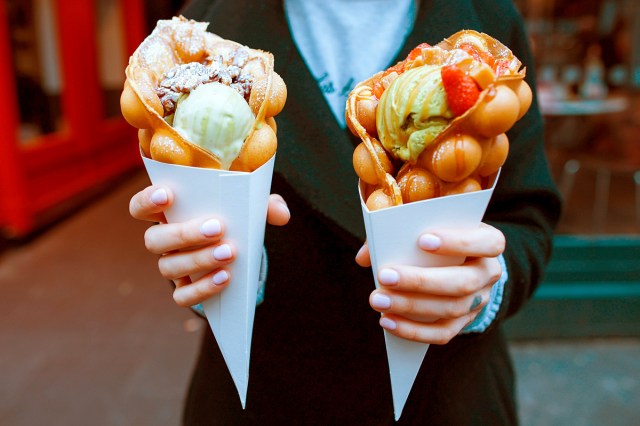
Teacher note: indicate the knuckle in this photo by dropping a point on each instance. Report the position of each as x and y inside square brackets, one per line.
[443, 336]
[495, 271]
[202, 259]
[179, 298]
[199, 292]
[150, 240]
[449, 334]
[405, 305]
[466, 244]
[421, 282]
[203, 289]
[209, 289]
[164, 268]
[411, 333]
[182, 234]
[454, 309]
[133, 211]
[501, 244]
[135, 206]
[468, 285]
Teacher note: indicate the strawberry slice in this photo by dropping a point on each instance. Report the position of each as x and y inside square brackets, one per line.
[462, 90]
[416, 52]
[478, 55]
[501, 67]
[378, 86]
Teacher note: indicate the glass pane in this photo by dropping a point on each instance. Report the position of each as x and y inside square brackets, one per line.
[34, 42]
[588, 70]
[111, 53]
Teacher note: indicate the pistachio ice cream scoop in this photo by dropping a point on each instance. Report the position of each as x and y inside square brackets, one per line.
[216, 118]
[412, 112]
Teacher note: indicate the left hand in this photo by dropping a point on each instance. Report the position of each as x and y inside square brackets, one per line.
[192, 247]
[433, 304]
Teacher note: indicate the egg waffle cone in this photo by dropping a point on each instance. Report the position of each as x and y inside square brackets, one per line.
[181, 41]
[469, 149]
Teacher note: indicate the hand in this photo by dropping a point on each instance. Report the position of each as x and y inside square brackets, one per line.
[193, 247]
[432, 304]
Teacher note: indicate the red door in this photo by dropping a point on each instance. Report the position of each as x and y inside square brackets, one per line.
[63, 67]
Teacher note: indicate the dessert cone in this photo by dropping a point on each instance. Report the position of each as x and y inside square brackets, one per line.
[390, 244]
[217, 158]
[239, 200]
[433, 141]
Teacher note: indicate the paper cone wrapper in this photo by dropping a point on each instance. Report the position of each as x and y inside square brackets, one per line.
[240, 201]
[392, 235]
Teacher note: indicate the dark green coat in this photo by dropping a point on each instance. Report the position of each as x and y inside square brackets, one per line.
[318, 354]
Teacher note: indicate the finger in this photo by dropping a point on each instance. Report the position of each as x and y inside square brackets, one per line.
[483, 241]
[363, 257]
[427, 308]
[457, 281]
[438, 333]
[180, 264]
[164, 238]
[278, 212]
[202, 289]
[150, 203]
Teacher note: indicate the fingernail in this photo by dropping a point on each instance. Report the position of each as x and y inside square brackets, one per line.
[380, 301]
[429, 242]
[388, 324]
[388, 277]
[360, 251]
[220, 277]
[284, 208]
[222, 252]
[159, 197]
[211, 228]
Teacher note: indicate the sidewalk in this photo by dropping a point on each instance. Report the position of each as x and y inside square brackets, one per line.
[90, 335]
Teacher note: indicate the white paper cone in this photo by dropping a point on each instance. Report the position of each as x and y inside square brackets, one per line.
[392, 235]
[240, 201]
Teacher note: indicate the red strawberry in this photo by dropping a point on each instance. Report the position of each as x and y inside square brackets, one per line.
[462, 90]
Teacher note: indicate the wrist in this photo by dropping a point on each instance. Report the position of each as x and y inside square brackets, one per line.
[486, 316]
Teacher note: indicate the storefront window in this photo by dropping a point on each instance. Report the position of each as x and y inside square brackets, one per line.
[34, 43]
[587, 57]
[111, 53]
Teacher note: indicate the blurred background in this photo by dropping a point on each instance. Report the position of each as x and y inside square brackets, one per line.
[88, 327]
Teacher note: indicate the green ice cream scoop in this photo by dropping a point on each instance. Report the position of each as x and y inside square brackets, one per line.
[215, 117]
[412, 112]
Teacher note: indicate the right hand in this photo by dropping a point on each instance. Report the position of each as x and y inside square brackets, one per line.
[193, 247]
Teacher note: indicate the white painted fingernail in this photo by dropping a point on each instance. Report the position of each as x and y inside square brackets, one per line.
[429, 242]
[388, 277]
[159, 197]
[388, 324]
[381, 301]
[222, 252]
[282, 206]
[220, 277]
[211, 228]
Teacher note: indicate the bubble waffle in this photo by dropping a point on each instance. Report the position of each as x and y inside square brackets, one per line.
[172, 63]
[434, 124]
